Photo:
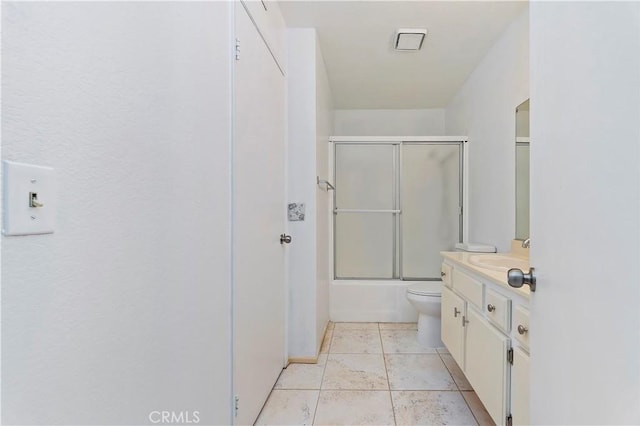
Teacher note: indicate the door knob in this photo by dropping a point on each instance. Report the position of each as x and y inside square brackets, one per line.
[516, 278]
[285, 239]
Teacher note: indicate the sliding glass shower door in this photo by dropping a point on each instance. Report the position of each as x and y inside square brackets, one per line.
[396, 206]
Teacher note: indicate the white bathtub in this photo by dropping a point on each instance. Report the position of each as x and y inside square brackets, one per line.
[371, 301]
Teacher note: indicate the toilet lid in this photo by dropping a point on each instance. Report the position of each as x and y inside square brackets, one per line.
[426, 289]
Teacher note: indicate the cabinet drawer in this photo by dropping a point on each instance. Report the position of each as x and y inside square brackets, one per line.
[468, 287]
[445, 273]
[521, 325]
[498, 310]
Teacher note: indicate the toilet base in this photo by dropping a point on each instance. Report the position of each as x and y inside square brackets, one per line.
[429, 331]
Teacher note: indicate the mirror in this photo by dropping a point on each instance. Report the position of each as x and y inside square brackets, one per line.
[522, 171]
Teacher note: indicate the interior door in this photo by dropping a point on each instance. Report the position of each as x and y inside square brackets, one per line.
[585, 212]
[258, 221]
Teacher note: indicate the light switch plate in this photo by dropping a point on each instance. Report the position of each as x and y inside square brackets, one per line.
[19, 181]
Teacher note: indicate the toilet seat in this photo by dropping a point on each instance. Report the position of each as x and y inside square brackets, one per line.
[432, 289]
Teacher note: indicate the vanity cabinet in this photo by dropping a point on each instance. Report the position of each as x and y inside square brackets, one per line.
[520, 387]
[478, 331]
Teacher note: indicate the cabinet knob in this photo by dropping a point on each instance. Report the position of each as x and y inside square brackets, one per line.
[522, 329]
[490, 307]
[443, 274]
[455, 312]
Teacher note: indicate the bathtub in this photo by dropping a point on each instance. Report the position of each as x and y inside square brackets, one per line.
[371, 301]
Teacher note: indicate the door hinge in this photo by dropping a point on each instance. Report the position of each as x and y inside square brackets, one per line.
[237, 49]
[236, 405]
[510, 356]
[509, 420]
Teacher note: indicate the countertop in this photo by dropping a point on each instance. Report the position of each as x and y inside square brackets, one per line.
[497, 277]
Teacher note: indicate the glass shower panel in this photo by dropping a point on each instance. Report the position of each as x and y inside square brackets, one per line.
[430, 204]
[364, 245]
[364, 176]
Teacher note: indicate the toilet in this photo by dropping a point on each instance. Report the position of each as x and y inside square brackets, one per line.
[426, 296]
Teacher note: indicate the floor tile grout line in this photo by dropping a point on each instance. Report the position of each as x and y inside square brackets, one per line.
[315, 412]
[386, 372]
[459, 390]
[470, 409]
[453, 379]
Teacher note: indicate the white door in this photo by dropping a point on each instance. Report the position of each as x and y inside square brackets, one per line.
[259, 213]
[585, 212]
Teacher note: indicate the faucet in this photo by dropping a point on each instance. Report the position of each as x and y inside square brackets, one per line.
[526, 243]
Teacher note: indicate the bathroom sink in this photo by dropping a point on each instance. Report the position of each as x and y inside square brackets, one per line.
[497, 262]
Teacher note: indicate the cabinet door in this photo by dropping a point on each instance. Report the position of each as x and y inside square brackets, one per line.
[486, 364]
[520, 387]
[452, 329]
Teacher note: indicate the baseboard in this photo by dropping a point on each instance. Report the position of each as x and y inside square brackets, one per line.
[310, 359]
[303, 360]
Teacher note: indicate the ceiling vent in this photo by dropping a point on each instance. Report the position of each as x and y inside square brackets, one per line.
[410, 39]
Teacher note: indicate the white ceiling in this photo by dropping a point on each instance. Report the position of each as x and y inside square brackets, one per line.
[356, 38]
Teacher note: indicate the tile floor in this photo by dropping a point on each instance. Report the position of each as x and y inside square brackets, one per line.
[374, 374]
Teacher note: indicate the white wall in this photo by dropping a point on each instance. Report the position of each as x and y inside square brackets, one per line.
[310, 122]
[125, 309]
[324, 129]
[585, 210]
[484, 110]
[389, 122]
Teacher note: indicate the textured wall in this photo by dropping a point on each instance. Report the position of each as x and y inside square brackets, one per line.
[125, 309]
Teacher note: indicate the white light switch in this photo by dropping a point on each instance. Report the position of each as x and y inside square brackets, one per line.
[29, 199]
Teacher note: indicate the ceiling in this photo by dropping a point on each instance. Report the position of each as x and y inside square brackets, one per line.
[365, 72]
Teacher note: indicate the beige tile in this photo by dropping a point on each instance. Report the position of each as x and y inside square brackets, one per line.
[355, 372]
[354, 408]
[442, 350]
[289, 407]
[418, 372]
[356, 326]
[431, 408]
[356, 342]
[398, 326]
[479, 412]
[402, 341]
[302, 376]
[326, 342]
[456, 372]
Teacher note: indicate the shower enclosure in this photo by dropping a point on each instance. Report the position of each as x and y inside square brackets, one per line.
[397, 204]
